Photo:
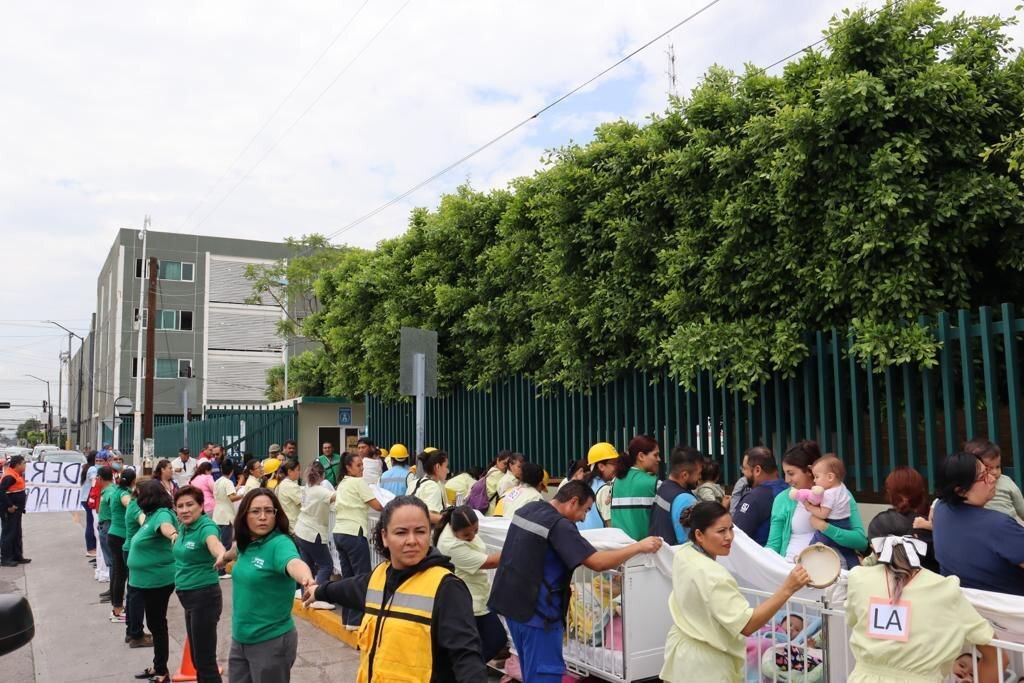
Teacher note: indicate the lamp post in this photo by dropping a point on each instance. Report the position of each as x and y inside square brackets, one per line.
[78, 401]
[122, 405]
[49, 406]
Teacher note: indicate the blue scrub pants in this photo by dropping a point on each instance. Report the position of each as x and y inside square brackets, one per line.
[540, 651]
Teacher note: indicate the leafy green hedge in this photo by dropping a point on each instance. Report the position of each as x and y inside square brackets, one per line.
[853, 191]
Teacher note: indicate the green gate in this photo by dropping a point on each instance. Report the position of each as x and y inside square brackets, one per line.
[874, 419]
[243, 433]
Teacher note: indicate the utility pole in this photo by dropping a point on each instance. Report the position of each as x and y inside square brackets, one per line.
[78, 407]
[671, 73]
[60, 391]
[49, 406]
[137, 422]
[147, 416]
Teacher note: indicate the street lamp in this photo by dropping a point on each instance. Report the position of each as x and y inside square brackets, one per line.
[78, 401]
[122, 405]
[49, 406]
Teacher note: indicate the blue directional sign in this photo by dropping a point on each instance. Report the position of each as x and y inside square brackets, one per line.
[344, 416]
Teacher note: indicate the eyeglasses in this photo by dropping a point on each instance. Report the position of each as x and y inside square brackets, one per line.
[261, 512]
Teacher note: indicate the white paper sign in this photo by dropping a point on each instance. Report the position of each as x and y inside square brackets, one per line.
[53, 486]
[888, 621]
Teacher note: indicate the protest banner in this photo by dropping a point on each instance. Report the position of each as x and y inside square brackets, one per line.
[53, 486]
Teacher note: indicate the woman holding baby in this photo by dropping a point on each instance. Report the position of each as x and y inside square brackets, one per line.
[830, 517]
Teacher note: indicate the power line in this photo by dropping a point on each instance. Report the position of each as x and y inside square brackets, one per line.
[305, 111]
[273, 114]
[537, 114]
[365, 217]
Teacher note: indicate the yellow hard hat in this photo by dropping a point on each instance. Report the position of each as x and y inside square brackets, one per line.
[399, 452]
[429, 449]
[383, 452]
[600, 452]
[544, 483]
[270, 465]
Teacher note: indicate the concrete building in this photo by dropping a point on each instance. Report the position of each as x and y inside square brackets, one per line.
[211, 345]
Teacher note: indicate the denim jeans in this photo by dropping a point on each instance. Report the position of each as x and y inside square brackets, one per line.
[318, 556]
[354, 553]
[90, 535]
[104, 527]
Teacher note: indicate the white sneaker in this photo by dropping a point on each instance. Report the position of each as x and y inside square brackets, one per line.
[225, 577]
[351, 628]
[320, 604]
[298, 594]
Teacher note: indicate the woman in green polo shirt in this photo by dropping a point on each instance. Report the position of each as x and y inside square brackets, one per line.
[117, 497]
[267, 567]
[196, 581]
[151, 566]
[133, 607]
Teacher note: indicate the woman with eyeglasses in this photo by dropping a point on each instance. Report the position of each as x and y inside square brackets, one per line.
[267, 567]
[982, 547]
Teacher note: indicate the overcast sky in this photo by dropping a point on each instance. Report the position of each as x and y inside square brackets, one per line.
[114, 110]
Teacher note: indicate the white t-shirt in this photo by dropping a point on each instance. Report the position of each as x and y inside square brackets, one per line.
[802, 534]
[183, 471]
[837, 499]
[223, 508]
[518, 497]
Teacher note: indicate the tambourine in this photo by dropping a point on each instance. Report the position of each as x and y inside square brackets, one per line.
[822, 563]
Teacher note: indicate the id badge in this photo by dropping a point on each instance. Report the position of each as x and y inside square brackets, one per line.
[888, 621]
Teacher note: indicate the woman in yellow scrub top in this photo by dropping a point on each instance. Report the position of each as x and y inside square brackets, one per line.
[710, 617]
[290, 493]
[532, 476]
[457, 536]
[494, 474]
[352, 504]
[430, 489]
[920, 643]
[510, 479]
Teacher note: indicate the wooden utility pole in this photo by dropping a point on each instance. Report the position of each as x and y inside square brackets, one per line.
[150, 364]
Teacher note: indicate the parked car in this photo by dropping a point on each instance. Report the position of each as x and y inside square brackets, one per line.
[61, 456]
[42, 448]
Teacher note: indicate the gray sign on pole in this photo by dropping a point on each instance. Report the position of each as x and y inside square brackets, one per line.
[414, 342]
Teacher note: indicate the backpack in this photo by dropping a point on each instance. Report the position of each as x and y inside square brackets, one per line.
[478, 499]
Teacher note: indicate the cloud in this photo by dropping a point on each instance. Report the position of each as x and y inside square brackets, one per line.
[116, 110]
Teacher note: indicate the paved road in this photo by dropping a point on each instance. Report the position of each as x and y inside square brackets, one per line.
[75, 640]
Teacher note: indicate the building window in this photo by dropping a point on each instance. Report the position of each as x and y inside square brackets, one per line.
[178, 271]
[166, 368]
[166, 319]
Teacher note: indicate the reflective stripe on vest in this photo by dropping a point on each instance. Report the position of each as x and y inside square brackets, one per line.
[632, 502]
[395, 639]
[532, 527]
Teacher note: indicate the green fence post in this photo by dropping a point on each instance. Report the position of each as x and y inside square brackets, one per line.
[967, 371]
[837, 383]
[948, 389]
[910, 416]
[989, 369]
[856, 415]
[1013, 388]
[892, 426]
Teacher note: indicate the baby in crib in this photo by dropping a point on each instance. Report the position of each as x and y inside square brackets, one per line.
[792, 625]
[829, 473]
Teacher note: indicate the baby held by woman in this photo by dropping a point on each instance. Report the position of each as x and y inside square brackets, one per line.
[834, 507]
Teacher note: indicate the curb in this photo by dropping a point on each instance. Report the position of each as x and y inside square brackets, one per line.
[328, 621]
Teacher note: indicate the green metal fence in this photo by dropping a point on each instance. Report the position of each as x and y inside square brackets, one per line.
[874, 420]
[241, 432]
[126, 437]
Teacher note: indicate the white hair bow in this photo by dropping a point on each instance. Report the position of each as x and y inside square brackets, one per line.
[914, 548]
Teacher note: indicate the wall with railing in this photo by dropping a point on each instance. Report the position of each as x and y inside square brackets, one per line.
[874, 419]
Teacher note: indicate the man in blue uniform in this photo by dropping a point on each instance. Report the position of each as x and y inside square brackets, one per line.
[531, 586]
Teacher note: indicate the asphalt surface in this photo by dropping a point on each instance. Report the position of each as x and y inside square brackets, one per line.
[75, 640]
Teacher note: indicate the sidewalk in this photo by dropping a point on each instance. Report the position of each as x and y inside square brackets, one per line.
[75, 641]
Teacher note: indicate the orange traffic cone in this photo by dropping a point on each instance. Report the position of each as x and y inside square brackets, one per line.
[187, 670]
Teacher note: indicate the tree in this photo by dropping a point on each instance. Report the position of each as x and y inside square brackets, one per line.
[29, 427]
[853, 191]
